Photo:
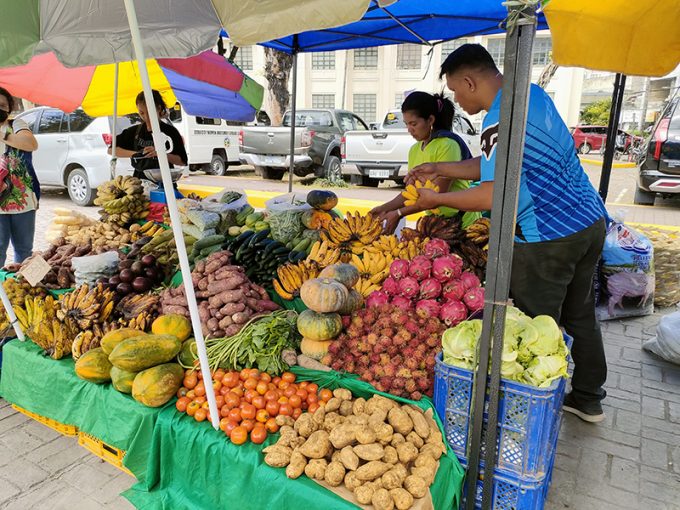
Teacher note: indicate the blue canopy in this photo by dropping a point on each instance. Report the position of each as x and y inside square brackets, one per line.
[406, 21]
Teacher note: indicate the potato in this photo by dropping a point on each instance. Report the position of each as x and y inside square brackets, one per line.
[346, 408]
[359, 405]
[425, 460]
[316, 469]
[407, 452]
[343, 435]
[297, 465]
[351, 481]
[365, 435]
[369, 451]
[335, 457]
[402, 498]
[319, 417]
[333, 405]
[342, 394]
[400, 420]
[288, 436]
[392, 479]
[427, 473]
[379, 402]
[435, 437]
[377, 417]
[360, 419]
[401, 469]
[277, 456]
[364, 494]
[382, 500]
[332, 420]
[384, 433]
[348, 458]
[282, 420]
[433, 450]
[414, 438]
[416, 486]
[297, 442]
[420, 425]
[372, 470]
[397, 439]
[317, 446]
[391, 456]
[305, 425]
[335, 474]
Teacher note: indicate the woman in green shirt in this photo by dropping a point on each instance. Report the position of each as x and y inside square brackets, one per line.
[428, 119]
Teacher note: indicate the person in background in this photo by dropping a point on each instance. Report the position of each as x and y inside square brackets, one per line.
[19, 186]
[429, 119]
[136, 142]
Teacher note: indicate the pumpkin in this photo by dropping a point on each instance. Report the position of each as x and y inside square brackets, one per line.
[187, 355]
[347, 274]
[172, 324]
[353, 303]
[113, 338]
[321, 199]
[141, 352]
[122, 379]
[314, 349]
[323, 295]
[319, 326]
[154, 386]
[94, 366]
[316, 220]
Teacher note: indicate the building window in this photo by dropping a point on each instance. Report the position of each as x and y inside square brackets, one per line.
[496, 47]
[408, 56]
[366, 58]
[398, 99]
[365, 106]
[450, 46]
[542, 51]
[244, 58]
[323, 60]
[323, 100]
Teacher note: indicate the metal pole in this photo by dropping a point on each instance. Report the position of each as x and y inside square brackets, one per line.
[291, 167]
[509, 155]
[612, 131]
[114, 134]
[175, 221]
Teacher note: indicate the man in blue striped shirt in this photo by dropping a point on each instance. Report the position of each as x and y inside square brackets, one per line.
[560, 217]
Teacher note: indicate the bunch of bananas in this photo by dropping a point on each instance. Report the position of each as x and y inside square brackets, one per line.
[352, 234]
[478, 232]
[435, 227]
[374, 267]
[137, 311]
[122, 200]
[365, 286]
[84, 307]
[411, 193]
[18, 290]
[38, 320]
[149, 228]
[390, 245]
[324, 253]
[90, 338]
[292, 276]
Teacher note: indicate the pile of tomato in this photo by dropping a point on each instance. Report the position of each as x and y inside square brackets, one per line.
[249, 401]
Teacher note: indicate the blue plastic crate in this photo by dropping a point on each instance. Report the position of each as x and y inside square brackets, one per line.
[528, 417]
[158, 196]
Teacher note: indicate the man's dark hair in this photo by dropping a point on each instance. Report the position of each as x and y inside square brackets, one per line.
[468, 56]
[8, 96]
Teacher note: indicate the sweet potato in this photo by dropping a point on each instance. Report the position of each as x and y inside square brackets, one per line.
[369, 451]
[427, 473]
[416, 486]
[364, 493]
[232, 308]
[179, 310]
[213, 324]
[317, 446]
[415, 439]
[228, 296]
[307, 362]
[349, 459]
[232, 330]
[351, 481]
[202, 294]
[266, 305]
[372, 470]
[241, 317]
[407, 452]
[203, 284]
[225, 322]
[296, 466]
[392, 479]
[212, 266]
[200, 266]
[343, 435]
[252, 303]
[391, 456]
[227, 284]
[402, 498]
[366, 435]
[400, 421]
[382, 500]
[335, 474]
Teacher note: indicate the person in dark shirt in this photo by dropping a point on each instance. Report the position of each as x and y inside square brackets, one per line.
[136, 142]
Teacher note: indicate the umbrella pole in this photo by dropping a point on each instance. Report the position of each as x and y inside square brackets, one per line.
[10, 313]
[291, 167]
[114, 129]
[612, 131]
[175, 221]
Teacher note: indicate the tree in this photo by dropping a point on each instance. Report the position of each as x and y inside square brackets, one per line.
[277, 70]
[597, 113]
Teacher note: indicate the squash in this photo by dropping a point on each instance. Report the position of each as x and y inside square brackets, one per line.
[154, 386]
[322, 199]
[347, 274]
[353, 303]
[319, 326]
[122, 379]
[186, 356]
[94, 366]
[141, 352]
[172, 324]
[113, 338]
[314, 349]
[316, 220]
[323, 295]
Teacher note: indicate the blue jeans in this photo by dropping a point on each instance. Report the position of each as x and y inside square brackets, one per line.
[19, 229]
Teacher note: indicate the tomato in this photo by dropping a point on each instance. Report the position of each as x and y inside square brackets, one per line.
[219, 399]
[182, 403]
[231, 425]
[232, 400]
[201, 400]
[235, 415]
[254, 373]
[262, 415]
[259, 402]
[219, 374]
[182, 392]
[250, 383]
[313, 407]
[190, 381]
[205, 405]
[311, 398]
[261, 387]
[200, 389]
[272, 407]
[248, 424]
[290, 391]
[321, 403]
[272, 386]
[283, 384]
[244, 374]
[230, 379]
[191, 394]
[258, 435]
[188, 371]
[303, 384]
[250, 395]
[224, 390]
[199, 374]
[271, 395]
[325, 394]
[286, 409]
[224, 411]
[201, 414]
[237, 391]
[296, 413]
[283, 400]
[288, 376]
[248, 412]
[312, 388]
[264, 376]
[239, 435]
[295, 401]
[223, 424]
[302, 393]
[192, 407]
[216, 386]
[271, 425]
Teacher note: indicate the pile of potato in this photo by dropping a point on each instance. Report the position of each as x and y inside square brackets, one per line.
[387, 454]
[102, 236]
[666, 256]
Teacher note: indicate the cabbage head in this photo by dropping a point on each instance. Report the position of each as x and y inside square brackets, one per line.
[543, 370]
[459, 344]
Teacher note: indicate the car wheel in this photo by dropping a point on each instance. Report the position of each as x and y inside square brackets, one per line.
[333, 168]
[585, 148]
[217, 166]
[643, 197]
[79, 188]
[271, 173]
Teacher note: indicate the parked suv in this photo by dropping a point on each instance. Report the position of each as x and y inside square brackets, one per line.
[72, 150]
[660, 169]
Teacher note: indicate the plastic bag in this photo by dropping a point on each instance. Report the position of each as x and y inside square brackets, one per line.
[285, 215]
[213, 203]
[626, 274]
[91, 268]
[666, 344]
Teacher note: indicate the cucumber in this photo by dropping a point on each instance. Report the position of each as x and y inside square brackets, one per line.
[213, 240]
[302, 245]
[210, 249]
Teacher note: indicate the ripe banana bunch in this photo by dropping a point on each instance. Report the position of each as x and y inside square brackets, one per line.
[374, 267]
[135, 306]
[478, 232]
[409, 249]
[122, 200]
[91, 338]
[142, 321]
[292, 276]
[84, 307]
[354, 227]
[365, 286]
[37, 318]
[411, 194]
[324, 253]
[147, 229]
[438, 227]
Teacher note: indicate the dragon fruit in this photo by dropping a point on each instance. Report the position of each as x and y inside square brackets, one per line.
[428, 308]
[399, 269]
[430, 289]
[390, 286]
[420, 268]
[447, 267]
[470, 280]
[436, 248]
[453, 289]
[377, 298]
[474, 298]
[408, 287]
[402, 303]
[453, 312]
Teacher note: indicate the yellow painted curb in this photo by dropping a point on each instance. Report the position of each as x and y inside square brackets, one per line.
[654, 226]
[628, 164]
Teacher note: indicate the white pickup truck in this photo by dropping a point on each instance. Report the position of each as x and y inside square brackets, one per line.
[370, 157]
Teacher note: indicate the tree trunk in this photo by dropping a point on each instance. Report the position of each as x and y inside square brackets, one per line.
[277, 70]
[547, 74]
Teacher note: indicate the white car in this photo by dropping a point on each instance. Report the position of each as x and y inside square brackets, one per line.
[72, 150]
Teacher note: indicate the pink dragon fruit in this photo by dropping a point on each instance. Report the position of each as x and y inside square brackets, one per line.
[447, 267]
[428, 308]
[420, 268]
[430, 289]
[453, 312]
[390, 286]
[436, 248]
[474, 298]
[408, 287]
[469, 280]
[399, 269]
[453, 289]
[377, 298]
[402, 303]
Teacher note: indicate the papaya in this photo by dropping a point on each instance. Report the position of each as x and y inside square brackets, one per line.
[94, 366]
[315, 349]
[154, 386]
[142, 352]
[187, 356]
[321, 199]
[113, 338]
[122, 379]
[315, 219]
[172, 324]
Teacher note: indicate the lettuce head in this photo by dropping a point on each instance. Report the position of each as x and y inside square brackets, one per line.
[543, 370]
[459, 344]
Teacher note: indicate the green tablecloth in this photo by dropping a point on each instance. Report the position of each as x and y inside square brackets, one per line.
[51, 388]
